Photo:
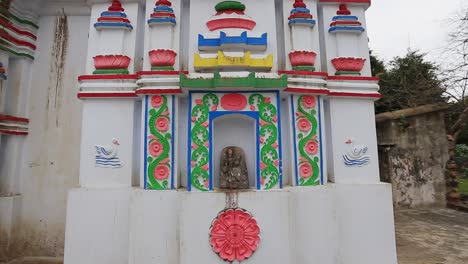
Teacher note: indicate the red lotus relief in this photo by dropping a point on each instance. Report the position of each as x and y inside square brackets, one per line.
[302, 58]
[233, 102]
[162, 57]
[348, 64]
[234, 235]
[111, 62]
[230, 23]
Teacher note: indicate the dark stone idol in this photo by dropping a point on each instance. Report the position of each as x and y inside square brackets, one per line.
[233, 169]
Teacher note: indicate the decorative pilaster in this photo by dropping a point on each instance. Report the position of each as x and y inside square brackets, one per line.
[345, 37]
[163, 32]
[301, 38]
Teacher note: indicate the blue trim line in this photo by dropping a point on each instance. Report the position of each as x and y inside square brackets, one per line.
[240, 40]
[189, 149]
[356, 29]
[145, 173]
[300, 10]
[170, 20]
[172, 141]
[113, 14]
[257, 142]
[336, 18]
[320, 138]
[301, 21]
[113, 25]
[163, 9]
[294, 141]
[280, 139]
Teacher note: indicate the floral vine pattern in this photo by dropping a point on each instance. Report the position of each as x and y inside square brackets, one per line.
[269, 177]
[159, 143]
[200, 157]
[307, 140]
[269, 153]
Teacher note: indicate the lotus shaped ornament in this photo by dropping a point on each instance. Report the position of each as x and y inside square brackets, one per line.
[348, 64]
[302, 58]
[111, 62]
[162, 57]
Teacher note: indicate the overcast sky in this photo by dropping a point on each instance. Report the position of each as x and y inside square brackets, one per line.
[395, 25]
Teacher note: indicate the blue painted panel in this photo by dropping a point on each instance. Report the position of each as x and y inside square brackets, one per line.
[113, 14]
[302, 21]
[115, 25]
[162, 20]
[300, 10]
[352, 29]
[336, 18]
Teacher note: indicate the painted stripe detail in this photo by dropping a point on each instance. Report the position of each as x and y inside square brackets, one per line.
[106, 95]
[13, 132]
[108, 77]
[13, 118]
[158, 91]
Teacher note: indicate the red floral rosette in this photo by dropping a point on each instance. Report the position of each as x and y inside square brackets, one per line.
[234, 234]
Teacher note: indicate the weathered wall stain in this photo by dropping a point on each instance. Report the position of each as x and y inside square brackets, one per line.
[413, 159]
[59, 52]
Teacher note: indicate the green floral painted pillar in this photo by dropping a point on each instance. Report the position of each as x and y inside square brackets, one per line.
[159, 163]
[306, 111]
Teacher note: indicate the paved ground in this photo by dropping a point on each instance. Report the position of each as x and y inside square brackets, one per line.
[432, 236]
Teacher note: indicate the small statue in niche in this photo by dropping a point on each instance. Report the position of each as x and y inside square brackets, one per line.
[233, 169]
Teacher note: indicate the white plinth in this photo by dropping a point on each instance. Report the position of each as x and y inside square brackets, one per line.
[333, 224]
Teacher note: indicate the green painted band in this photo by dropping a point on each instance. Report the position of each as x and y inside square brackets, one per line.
[356, 73]
[304, 68]
[19, 20]
[111, 71]
[162, 68]
[19, 54]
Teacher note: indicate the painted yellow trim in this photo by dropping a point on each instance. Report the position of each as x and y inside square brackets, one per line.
[235, 62]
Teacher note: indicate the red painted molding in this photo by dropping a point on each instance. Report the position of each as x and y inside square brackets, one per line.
[84, 95]
[345, 94]
[158, 91]
[12, 132]
[353, 78]
[20, 32]
[140, 73]
[309, 73]
[13, 118]
[347, 1]
[307, 91]
[108, 77]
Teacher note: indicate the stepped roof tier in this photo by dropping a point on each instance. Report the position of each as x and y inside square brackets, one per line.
[113, 18]
[300, 15]
[230, 14]
[162, 14]
[345, 22]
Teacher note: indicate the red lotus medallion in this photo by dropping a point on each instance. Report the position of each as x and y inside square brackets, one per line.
[233, 102]
[234, 235]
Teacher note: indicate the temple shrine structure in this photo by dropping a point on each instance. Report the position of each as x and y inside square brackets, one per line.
[194, 131]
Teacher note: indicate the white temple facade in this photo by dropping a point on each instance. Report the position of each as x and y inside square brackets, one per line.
[139, 99]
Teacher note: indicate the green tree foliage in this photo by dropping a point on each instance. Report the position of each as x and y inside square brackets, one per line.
[409, 81]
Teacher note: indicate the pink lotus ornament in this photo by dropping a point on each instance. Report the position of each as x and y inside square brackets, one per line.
[111, 62]
[348, 64]
[302, 58]
[234, 235]
[162, 57]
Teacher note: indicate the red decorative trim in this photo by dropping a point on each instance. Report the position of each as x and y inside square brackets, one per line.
[12, 132]
[357, 23]
[353, 78]
[108, 77]
[140, 73]
[111, 61]
[162, 57]
[307, 91]
[145, 91]
[9, 37]
[13, 118]
[345, 94]
[113, 19]
[347, 1]
[322, 74]
[106, 95]
[20, 32]
[230, 23]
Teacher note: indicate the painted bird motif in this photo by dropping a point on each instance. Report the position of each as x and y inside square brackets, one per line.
[106, 156]
[356, 157]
